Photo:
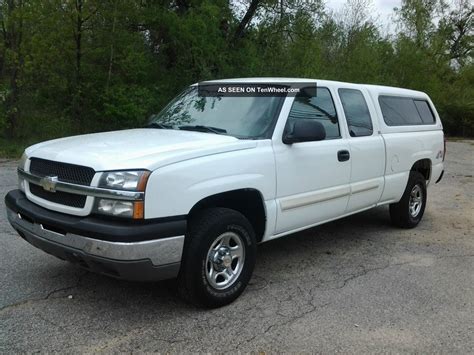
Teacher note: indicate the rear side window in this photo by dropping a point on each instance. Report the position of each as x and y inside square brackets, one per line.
[405, 111]
[357, 112]
[319, 107]
[425, 111]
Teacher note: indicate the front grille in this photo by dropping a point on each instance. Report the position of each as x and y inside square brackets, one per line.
[74, 174]
[60, 197]
[70, 173]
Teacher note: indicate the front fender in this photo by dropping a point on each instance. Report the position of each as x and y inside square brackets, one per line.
[174, 189]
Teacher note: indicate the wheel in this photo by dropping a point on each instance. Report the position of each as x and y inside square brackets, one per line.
[407, 213]
[218, 258]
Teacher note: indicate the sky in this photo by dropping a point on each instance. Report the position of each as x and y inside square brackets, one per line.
[383, 9]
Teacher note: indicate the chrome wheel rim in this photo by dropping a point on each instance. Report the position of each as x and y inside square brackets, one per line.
[416, 200]
[225, 260]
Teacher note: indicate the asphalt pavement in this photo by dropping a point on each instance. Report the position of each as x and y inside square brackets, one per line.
[355, 285]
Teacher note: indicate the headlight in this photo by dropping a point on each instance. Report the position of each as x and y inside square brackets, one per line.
[22, 162]
[122, 180]
[21, 165]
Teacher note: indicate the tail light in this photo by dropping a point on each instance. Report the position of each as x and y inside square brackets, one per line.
[444, 149]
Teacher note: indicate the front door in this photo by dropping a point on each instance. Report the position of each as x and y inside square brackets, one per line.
[313, 178]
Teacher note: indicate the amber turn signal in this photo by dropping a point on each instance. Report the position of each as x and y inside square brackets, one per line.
[138, 210]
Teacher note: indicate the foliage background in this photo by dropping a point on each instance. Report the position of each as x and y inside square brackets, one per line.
[73, 66]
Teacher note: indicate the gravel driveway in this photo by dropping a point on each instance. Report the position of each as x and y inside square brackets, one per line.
[353, 285]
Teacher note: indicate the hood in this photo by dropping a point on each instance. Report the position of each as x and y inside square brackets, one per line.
[143, 148]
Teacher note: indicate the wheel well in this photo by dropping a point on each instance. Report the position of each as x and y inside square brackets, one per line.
[423, 166]
[249, 202]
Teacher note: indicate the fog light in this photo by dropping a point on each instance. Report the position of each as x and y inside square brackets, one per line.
[21, 165]
[115, 208]
[118, 208]
[21, 184]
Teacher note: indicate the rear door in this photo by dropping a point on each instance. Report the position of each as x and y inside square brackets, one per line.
[366, 146]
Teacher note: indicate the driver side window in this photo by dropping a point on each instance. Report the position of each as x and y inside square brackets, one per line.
[317, 105]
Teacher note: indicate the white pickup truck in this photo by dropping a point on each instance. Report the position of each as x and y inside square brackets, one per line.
[193, 193]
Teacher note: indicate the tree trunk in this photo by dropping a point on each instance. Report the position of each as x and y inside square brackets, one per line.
[77, 100]
[246, 19]
[13, 33]
[111, 57]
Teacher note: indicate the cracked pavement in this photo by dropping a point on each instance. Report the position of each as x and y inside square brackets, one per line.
[356, 285]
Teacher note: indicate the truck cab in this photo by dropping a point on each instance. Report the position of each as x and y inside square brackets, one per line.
[191, 195]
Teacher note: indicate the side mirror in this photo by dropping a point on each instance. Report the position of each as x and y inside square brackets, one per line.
[305, 130]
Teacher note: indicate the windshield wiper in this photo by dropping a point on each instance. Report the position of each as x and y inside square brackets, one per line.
[158, 125]
[200, 128]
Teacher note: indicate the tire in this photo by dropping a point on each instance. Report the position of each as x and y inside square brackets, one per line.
[407, 213]
[217, 239]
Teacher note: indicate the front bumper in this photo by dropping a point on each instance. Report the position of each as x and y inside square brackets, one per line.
[146, 251]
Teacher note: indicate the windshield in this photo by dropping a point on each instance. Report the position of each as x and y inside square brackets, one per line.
[241, 117]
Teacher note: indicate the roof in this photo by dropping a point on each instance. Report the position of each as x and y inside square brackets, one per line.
[378, 89]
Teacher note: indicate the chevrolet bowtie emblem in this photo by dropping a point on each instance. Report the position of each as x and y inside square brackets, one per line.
[48, 183]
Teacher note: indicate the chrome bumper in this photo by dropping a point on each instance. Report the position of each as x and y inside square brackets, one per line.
[150, 260]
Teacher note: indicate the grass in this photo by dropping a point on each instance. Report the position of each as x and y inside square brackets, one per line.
[468, 140]
[13, 149]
